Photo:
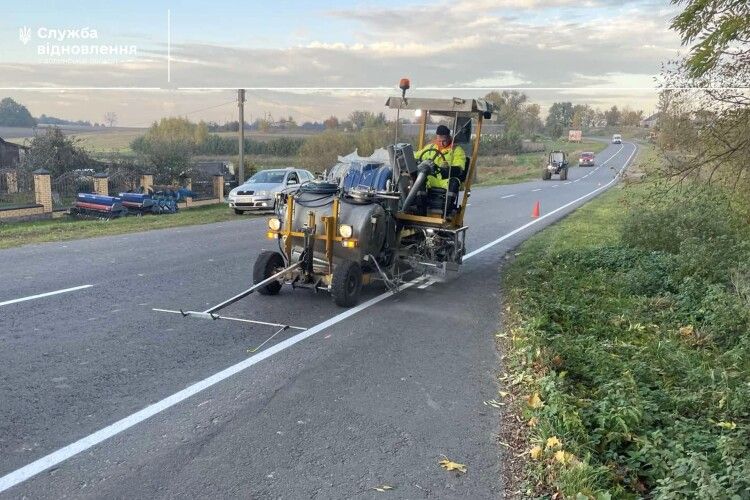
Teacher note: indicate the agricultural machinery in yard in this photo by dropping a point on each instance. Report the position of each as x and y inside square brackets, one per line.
[95, 206]
[375, 218]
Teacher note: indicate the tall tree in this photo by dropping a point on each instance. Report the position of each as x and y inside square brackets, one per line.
[13, 114]
[559, 118]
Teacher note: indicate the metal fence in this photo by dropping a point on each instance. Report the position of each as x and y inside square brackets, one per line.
[202, 185]
[123, 181]
[16, 188]
[66, 186]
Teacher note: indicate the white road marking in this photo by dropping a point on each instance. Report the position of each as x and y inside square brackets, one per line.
[20, 475]
[555, 186]
[507, 196]
[576, 180]
[41, 295]
[539, 189]
[568, 182]
[427, 283]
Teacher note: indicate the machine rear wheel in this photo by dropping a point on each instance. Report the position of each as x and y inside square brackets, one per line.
[346, 284]
[266, 265]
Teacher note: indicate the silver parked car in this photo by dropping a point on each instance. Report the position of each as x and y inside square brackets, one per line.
[259, 191]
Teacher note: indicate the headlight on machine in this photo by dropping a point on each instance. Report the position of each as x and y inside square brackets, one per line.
[346, 231]
[274, 224]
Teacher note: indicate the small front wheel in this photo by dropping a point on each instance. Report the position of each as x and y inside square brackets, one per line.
[266, 265]
[346, 284]
[238, 211]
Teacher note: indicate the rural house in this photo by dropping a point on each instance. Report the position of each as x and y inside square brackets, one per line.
[11, 154]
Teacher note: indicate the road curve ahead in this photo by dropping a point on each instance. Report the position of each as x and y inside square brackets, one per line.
[103, 397]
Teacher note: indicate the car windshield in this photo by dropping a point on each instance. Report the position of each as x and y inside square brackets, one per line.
[267, 177]
[587, 154]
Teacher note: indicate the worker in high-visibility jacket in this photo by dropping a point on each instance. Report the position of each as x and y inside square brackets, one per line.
[451, 163]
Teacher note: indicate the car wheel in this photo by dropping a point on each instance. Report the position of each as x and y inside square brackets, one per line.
[346, 284]
[266, 265]
[238, 211]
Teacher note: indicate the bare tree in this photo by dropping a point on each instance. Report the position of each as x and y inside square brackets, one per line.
[110, 118]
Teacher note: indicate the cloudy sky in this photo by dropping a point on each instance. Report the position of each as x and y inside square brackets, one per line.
[182, 58]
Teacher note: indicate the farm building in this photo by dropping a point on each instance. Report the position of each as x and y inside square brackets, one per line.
[11, 154]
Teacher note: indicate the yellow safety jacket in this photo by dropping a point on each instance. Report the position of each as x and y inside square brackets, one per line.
[455, 157]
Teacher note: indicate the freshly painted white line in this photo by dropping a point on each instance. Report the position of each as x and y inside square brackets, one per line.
[426, 284]
[507, 196]
[48, 294]
[533, 190]
[44, 463]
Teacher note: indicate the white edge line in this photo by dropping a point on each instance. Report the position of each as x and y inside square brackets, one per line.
[20, 475]
[48, 294]
[507, 196]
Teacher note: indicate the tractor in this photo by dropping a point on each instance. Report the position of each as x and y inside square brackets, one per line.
[557, 164]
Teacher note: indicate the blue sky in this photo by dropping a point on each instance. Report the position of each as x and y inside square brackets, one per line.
[488, 43]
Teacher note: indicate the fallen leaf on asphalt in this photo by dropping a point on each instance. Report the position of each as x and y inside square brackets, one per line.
[450, 465]
[493, 403]
[536, 452]
[383, 489]
[535, 401]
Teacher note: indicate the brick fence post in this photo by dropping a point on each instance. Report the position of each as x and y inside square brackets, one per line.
[101, 184]
[43, 189]
[219, 186]
[147, 182]
[11, 180]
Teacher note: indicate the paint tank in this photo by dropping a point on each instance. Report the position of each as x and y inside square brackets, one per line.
[367, 221]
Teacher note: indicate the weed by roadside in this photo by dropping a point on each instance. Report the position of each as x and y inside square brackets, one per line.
[629, 335]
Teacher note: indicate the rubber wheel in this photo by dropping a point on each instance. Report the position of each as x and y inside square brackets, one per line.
[546, 175]
[238, 211]
[564, 174]
[346, 284]
[266, 265]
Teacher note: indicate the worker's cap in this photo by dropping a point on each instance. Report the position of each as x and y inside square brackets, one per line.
[443, 130]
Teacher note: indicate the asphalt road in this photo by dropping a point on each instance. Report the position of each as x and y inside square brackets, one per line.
[378, 397]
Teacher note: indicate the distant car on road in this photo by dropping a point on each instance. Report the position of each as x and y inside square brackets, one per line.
[259, 191]
[586, 159]
[617, 139]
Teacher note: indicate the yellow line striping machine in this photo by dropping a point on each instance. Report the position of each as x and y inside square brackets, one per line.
[378, 218]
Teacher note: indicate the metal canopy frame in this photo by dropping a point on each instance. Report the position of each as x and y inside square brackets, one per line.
[455, 107]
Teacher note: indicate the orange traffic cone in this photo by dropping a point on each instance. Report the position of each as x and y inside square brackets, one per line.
[537, 209]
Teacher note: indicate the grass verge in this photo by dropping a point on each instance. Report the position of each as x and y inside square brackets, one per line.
[627, 343]
[13, 234]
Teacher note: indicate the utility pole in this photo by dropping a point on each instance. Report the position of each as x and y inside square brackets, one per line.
[241, 105]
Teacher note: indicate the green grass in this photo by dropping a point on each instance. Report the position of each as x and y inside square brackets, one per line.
[510, 169]
[629, 320]
[14, 234]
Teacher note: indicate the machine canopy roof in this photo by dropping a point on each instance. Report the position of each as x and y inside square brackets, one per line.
[441, 106]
